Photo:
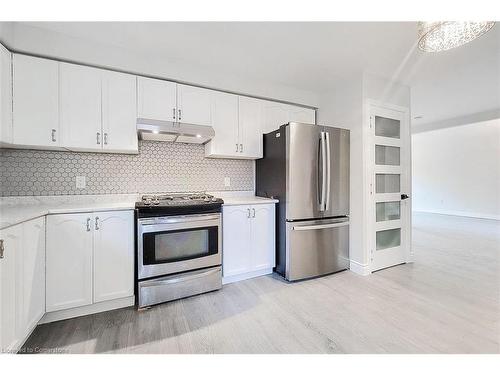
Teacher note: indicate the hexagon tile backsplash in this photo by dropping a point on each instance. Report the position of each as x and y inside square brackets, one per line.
[159, 167]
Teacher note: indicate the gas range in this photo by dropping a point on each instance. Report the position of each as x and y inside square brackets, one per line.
[168, 204]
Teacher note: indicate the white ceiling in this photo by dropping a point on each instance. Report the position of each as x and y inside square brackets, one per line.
[313, 56]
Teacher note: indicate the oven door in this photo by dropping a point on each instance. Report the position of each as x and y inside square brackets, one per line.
[172, 244]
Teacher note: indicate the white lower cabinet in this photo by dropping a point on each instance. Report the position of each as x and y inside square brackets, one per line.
[248, 241]
[90, 258]
[22, 282]
[113, 255]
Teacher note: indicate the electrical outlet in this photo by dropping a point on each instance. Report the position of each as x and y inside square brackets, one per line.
[81, 182]
[227, 181]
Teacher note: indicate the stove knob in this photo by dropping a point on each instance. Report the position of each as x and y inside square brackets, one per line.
[214, 199]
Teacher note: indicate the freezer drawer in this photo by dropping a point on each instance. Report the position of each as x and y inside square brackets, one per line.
[316, 248]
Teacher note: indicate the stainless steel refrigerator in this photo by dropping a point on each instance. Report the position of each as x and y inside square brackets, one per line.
[306, 167]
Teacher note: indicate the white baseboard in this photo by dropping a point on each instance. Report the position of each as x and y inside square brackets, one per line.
[87, 310]
[247, 275]
[360, 269]
[478, 215]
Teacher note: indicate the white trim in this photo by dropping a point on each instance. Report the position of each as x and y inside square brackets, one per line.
[247, 275]
[360, 269]
[87, 310]
[477, 215]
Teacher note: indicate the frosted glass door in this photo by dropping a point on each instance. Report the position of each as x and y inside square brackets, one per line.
[390, 136]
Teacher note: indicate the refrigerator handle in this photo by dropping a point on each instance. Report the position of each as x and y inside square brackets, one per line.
[322, 204]
[328, 171]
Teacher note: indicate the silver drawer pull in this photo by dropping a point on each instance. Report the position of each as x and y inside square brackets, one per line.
[321, 226]
[2, 249]
[175, 280]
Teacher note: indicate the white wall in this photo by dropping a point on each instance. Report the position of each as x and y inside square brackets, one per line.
[456, 170]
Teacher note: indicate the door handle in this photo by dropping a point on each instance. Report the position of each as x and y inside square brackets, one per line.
[321, 226]
[241, 147]
[248, 216]
[2, 249]
[105, 138]
[173, 113]
[253, 209]
[98, 138]
[88, 224]
[404, 196]
[53, 135]
[180, 113]
[97, 223]
[328, 173]
[322, 203]
[236, 147]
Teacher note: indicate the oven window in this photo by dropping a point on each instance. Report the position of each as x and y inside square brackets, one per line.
[178, 245]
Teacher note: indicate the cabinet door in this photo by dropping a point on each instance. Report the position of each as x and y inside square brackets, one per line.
[35, 101]
[225, 111]
[10, 288]
[236, 240]
[33, 273]
[300, 114]
[251, 126]
[194, 105]
[263, 236]
[69, 261]
[119, 112]
[80, 90]
[275, 115]
[113, 255]
[156, 99]
[5, 96]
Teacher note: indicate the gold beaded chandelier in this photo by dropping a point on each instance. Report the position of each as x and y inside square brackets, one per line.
[444, 35]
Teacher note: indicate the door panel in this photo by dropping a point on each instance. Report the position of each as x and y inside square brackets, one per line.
[119, 112]
[10, 288]
[390, 215]
[5, 95]
[250, 126]
[156, 99]
[69, 261]
[316, 247]
[263, 236]
[225, 115]
[194, 105]
[302, 171]
[275, 115]
[113, 255]
[35, 101]
[338, 195]
[236, 243]
[80, 89]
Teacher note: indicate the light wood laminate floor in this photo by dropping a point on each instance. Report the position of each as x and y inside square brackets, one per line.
[445, 302]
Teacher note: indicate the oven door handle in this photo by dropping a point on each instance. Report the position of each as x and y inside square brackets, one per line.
[177, 219]
[173, 280]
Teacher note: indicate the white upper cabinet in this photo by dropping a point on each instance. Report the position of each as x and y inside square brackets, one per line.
[119, 114]
[5, 95]
[113, 255]
[225, 123]
[194, 105]
[156, 99]
[35, 102]
[275, 115]
[69, 261]
[80, 111]
[301, 114]
[251, 124]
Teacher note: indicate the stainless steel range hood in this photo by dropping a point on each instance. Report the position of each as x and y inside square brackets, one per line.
[168, 131]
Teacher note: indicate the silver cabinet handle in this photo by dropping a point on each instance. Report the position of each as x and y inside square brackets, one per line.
[2, 249]
[97, 223]
[236, 147]
[180, 113]
[173, 113]
[105, 138]
[53, 135]
[248, 216]
[88, 224]
[321, 226]
[241, 147]
[328, 172]
[253, 209]
[98, 138]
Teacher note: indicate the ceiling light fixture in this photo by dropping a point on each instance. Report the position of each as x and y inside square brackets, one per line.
[444, 35]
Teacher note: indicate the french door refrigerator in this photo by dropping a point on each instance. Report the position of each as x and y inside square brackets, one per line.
[306, 167]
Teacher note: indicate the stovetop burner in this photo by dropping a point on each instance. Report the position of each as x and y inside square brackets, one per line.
[177, 203]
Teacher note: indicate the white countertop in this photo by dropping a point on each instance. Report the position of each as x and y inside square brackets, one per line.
[15, 210]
